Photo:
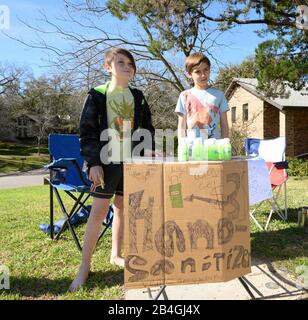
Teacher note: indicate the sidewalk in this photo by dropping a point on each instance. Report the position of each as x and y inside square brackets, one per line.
[264, 281]
[23, 179]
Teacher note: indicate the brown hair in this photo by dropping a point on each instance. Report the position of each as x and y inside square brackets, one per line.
[111, 53]
[194, 60]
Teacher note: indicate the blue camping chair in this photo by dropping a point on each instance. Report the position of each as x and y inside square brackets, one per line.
[66, 174]
[273, 153]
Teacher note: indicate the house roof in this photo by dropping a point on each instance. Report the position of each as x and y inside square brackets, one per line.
[292, 99]
[27, 116]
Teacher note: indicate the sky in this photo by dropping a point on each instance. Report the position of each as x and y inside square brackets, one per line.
[239, 43]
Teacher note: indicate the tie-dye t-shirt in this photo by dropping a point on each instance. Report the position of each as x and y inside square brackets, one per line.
[202, 109]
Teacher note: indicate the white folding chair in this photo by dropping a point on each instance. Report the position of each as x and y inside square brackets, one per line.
[273, 152]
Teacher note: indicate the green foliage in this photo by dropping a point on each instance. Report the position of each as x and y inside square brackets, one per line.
[278, 61]
[237, 138]
[247, 69]
[169, 27]
[50, 104]
[170, 24]
[297, 167]
[284, 57]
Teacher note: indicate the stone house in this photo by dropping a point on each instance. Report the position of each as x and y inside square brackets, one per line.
[267, 118]
[24, 128]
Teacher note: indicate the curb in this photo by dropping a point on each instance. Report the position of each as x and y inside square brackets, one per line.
[25, 172]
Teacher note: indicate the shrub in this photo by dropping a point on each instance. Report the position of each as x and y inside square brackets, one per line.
[297, 167]
[237, 139]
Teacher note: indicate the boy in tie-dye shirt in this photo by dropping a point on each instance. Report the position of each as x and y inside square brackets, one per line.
[202, 107]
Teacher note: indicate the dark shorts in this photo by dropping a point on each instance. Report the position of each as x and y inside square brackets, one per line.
[113, 182]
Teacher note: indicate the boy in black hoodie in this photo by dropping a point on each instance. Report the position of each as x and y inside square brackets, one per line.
[109, 108]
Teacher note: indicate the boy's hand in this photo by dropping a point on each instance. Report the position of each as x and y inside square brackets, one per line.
[149, 153]
[152, 153]
[96, 174]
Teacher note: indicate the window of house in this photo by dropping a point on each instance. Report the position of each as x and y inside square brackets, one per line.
[23, 126]
[233, 114]
[19, 133]
[245, 112]
[25, 133]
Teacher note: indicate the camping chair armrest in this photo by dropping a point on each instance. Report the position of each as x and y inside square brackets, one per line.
[281, 165]
[62, 163]
[65, 163]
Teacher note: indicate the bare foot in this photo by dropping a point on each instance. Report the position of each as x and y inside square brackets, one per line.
[79, 280]
[118, 261]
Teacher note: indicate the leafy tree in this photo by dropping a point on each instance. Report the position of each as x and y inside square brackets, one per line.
[169, 30]
[54, 103]
[162, 40]
[281, 59]
[280, 63]
[50, 103]
[11, 79]
[246, 69]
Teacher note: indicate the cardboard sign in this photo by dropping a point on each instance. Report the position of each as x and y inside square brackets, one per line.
[185, 222]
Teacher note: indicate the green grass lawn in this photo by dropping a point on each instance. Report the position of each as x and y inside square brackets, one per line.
[21, 157]
[43, 269]
[285, 243]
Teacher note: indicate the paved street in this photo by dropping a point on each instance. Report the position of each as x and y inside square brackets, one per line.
[23, 179]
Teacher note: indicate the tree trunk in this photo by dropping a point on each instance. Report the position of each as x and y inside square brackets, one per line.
[38, 145]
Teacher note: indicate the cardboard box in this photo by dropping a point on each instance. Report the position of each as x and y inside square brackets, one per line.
[185, 222]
